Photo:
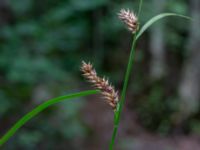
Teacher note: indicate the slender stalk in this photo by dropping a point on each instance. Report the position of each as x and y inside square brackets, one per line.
[140, 8]
[123, 95]
[40, 108]
[113, 138]
[125, 85]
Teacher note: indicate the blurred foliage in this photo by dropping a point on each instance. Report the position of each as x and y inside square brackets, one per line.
[41, 47]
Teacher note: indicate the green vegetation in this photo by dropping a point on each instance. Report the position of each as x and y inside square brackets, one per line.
[42, 44]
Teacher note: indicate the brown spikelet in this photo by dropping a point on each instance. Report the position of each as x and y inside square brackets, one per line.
[129, 18]
[102, 84]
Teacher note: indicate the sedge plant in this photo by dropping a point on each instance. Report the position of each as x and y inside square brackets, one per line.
[101, 85]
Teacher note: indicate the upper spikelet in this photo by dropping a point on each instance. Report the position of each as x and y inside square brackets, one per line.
[129, 18]
[102, 84]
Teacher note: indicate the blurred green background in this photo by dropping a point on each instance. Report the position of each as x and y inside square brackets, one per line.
[42, 44]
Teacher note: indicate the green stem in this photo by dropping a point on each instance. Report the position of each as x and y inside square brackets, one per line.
[127, 76]
[113, 138]
[140, 8]
[40, 108]
[123, 95]
[118, 112]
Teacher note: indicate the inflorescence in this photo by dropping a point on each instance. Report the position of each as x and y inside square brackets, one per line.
[107, 90]
[129, 18]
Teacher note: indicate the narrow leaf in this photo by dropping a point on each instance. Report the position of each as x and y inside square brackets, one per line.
[155, 19]
[40, 108]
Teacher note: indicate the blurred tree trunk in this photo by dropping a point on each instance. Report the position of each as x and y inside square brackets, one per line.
[189, 89]
[157, 44]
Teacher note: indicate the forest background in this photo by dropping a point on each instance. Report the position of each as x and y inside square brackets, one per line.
[42, 44]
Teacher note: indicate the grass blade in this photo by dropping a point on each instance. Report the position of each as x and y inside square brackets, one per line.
[40, 108]
[155, 19]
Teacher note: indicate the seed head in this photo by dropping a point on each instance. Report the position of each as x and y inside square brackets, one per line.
[107, 90]
[129, 18]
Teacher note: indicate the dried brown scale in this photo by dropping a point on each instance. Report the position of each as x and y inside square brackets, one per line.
[129, 18]
[108, 91]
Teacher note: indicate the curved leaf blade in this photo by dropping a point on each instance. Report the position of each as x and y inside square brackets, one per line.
[40, 108]
[155, 19]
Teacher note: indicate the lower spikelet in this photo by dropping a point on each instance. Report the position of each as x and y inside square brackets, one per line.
[102, 84]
